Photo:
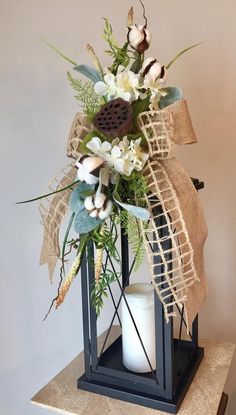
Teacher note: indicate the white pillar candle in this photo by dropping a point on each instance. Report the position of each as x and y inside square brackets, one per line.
[140, 298]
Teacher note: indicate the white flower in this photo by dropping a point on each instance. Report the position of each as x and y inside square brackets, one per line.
[139, 38]
[139, 156]
[110, 153]
[120, 156]
[124, 85]
[128, 81]
[107, 87]
[98, 147]
[154, 75]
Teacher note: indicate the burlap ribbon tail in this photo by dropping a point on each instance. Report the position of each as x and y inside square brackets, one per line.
[181, 278]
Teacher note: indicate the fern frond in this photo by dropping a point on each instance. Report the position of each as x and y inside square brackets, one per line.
[85, 93]
[99, 290]
[131, 227]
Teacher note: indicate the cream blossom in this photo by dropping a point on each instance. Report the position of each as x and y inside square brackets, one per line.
[112, 155]
[129, 82]
[125, 84]
[155, 87]
[139, 156]
[120, 156]
[154, 76]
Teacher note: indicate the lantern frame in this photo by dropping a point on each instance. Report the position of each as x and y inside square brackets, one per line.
[177, 359]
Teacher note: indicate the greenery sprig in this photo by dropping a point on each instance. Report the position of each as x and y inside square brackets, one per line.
[85, 94]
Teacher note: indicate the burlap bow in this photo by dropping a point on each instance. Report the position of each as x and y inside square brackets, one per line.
[172, 190]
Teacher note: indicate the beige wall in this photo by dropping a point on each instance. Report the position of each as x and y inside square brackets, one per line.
[36, 109]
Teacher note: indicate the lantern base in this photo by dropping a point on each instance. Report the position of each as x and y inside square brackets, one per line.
[113, 359]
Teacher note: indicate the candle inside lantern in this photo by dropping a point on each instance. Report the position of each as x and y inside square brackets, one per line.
[140, 298]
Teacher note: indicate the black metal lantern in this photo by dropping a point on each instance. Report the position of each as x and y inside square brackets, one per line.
[177, 359]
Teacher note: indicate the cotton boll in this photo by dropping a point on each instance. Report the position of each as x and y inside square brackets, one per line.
[94, 213]
[88, 203]
[84, 176]
[93, 164]
[135, 36]
[104, 213]
[152, 67]
[89, 168]
[99, 200]
[139, 38]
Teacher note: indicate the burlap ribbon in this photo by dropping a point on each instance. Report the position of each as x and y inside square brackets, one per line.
[172, 190]
[181, 279]
[54, 209]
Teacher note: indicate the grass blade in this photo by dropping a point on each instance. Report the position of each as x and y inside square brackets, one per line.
[48, 194]
[59, 53]
[181, 53]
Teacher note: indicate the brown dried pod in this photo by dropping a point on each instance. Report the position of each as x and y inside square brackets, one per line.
[114, 118]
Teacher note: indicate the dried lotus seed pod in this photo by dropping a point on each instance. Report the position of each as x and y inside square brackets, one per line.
[114, 118]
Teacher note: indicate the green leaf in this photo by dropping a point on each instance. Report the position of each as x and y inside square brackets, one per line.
[66, 238]
[49, 194]
[173, 94]
[83, 223]
[59, 53]
[181, 53]
[78, 195]
[136, 66]
[89, 72]
[119, 54]
[139, 106]
[137, 211]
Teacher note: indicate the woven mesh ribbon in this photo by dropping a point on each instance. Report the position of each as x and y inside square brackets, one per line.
[176, 213]
[54, 209]
[180, 279]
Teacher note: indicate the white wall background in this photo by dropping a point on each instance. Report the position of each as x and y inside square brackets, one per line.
[36, 109]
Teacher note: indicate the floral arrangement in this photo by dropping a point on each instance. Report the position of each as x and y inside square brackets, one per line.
[110, 188]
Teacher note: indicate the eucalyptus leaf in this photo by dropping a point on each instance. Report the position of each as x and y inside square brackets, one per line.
[137, 211]
[83, 223]
[78, 195]
[173, 94]
[89, 72]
